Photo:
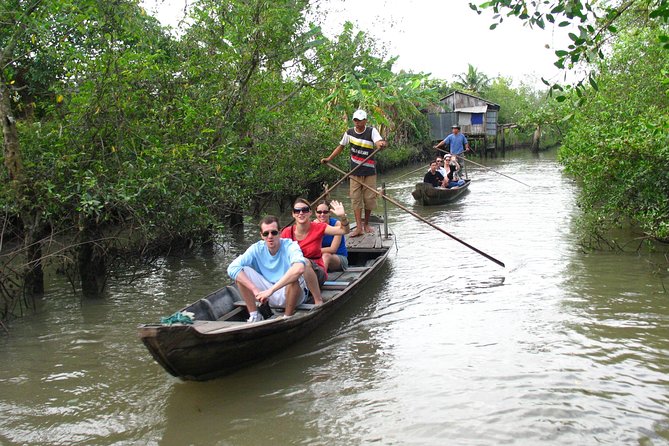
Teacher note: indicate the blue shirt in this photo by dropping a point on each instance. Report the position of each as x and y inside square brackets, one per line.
[456, 143]
[327, 240]
[271, 267]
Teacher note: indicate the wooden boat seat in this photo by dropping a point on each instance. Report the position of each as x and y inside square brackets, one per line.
[331, 285]
[303, 307]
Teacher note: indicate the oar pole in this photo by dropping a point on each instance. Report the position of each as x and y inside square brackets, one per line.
[467, 160]
[331, 188]
[413, 171]
[410, 212]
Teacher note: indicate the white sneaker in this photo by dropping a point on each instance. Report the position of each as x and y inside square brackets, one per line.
[255, 318]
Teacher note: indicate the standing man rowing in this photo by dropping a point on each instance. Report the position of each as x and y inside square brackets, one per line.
[457, 144]
[362, 140]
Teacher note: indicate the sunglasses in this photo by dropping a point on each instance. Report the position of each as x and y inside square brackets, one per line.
[322, 212]
[303, 210]
[273, 232]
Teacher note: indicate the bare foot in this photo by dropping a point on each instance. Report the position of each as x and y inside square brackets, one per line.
[369, 229]
[355, 233]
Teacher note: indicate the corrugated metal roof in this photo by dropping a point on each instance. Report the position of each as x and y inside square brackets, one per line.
[475, 109]
[469, 95]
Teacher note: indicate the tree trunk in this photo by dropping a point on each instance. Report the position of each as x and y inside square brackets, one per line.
[92, 266]
[536, 138]
[32, 224]
[10, 134]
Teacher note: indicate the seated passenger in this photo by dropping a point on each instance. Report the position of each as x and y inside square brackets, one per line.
[309, 236]
[440, 166]
[333, 247]
[454, 181]
[433, 177]
[270, 269]
[454, 167]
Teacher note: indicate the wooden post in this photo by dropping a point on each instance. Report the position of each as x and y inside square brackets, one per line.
[503, 141]
[385, 211]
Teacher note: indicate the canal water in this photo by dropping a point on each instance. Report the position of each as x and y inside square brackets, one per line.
[443, 346]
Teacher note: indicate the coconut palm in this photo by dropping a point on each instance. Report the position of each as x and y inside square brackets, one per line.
[473, 80]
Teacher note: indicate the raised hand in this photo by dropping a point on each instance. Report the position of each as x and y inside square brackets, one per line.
[338, 208]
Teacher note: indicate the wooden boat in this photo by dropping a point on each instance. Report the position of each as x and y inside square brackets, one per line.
[428, 195]
[220, 340]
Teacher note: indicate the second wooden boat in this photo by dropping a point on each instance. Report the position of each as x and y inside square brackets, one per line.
[428, 195]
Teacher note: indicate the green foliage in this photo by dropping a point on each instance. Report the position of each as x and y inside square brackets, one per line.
[124, 129]
[473, 81]
[516, 103]
[594, 24]
[398, 156]
[618, 143]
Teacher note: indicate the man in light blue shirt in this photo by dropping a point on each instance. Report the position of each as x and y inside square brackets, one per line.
[457, 144]
[456, 141]
[270, 269]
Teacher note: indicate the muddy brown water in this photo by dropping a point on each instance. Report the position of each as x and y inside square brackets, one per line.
[442, 347]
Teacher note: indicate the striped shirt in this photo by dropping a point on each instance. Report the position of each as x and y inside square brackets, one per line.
[361, 146]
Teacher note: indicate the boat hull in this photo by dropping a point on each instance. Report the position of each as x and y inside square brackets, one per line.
[221, 342]
[428, 195]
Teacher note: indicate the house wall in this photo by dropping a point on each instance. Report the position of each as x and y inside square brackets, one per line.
[440, 124]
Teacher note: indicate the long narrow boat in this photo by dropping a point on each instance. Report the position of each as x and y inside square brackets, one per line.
[428, 195]
[220, 340]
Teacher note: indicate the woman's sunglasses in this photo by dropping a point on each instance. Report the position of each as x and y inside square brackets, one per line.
[303, 210]
[322, 212]
[273, 232]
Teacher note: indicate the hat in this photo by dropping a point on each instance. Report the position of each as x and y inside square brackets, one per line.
[360, 115]
[455, 126]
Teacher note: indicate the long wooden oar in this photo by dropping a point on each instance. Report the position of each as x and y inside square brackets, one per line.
[331, 188]
[486, 167]
[413, 171]
[386, 197]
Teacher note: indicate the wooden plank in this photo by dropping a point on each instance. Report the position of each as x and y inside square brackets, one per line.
[335, 286]
[336, 283]
[217, 325]
[329, 294]
[350, 276]
[307, 307]
[334, 275]
[355, 269]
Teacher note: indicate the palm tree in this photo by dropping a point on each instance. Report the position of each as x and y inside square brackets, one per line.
[473, 80]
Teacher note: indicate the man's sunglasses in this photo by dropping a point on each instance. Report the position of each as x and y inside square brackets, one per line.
[303, 210]
[322, 212]
[273, 232]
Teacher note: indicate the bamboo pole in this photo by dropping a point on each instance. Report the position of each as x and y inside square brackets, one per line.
[331, 188]
[410, 212]
[486, 167]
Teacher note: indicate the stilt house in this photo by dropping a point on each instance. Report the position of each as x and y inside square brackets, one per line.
[476, 117]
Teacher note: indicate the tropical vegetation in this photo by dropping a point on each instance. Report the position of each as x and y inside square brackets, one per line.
[122, 141]
[617, 139]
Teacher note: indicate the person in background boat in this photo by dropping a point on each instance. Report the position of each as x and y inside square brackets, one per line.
[270, 269]
[453, 180]
[434, 177]
[309, 235]
[440, 166]
[457, 143]
[333, 247]
[362, 141]
[454, 167]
